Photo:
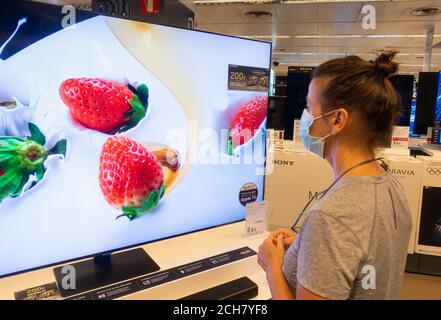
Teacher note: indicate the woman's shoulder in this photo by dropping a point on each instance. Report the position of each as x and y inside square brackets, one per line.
[354, 200]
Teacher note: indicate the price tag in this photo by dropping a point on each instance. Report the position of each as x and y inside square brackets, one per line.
[400, 137]
[255, 220]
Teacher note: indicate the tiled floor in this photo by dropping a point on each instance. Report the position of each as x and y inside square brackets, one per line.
[418, 286]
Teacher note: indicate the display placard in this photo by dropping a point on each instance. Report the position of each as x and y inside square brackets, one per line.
[47, 291]
[245, 78]
[255, 221]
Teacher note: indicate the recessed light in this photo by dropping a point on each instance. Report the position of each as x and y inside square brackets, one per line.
[258, 14]
[425, 11]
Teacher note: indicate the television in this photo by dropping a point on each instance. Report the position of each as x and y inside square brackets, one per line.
[276, 113]
[116, 133]
[296, 93]
[403, 84]
[436, 136]
[427, 89]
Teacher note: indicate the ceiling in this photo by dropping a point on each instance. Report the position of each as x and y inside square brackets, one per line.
[310, 32]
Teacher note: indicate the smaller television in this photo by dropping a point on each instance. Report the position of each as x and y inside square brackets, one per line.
[403, 84]
[436, 136]
[427, 90]
[276, 113]
[297, 91]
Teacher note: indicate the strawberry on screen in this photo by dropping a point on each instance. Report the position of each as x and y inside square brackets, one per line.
[247, 121]
[104, 105]
[130, 176]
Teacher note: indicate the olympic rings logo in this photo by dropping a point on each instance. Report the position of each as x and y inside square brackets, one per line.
[433, 171]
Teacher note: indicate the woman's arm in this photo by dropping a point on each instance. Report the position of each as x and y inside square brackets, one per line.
[279, 287]
[270, 257]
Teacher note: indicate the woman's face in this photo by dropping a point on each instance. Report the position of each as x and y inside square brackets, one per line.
[323, 126]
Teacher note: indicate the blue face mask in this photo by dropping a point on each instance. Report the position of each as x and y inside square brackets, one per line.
[314, 144]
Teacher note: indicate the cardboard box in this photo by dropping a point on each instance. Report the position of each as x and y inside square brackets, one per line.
[296, 177]
[428, 236]
[408, 171]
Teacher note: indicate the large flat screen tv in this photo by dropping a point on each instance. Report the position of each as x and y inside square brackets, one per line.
[115, 133]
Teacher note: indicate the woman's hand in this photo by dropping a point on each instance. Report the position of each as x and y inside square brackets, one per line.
[289, 237]
[271, 254]
[270, 257]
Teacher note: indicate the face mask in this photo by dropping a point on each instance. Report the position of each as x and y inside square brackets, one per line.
[314, 144]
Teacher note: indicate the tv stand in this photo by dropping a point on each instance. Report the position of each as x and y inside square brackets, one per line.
[103, 270]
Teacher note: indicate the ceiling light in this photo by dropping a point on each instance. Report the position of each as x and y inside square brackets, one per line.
[399, 54]
[332, 1]
[361, 36]
[338, 36]
[416, 65]
[311, 53]
[258, 14]
[226, 2]
[266, 37]
[219, 2]
[425, 11]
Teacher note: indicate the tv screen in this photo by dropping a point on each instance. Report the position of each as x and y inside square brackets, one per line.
[436, 136]
[115, 133]
[276, 112]
[297, 91]
[427, 90]
[403, 84]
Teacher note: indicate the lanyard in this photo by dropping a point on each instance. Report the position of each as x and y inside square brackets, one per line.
[322, 193]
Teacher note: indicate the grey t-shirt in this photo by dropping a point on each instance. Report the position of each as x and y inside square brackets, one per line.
[353, 240]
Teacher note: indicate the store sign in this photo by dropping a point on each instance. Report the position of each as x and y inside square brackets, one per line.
[301, 69]
[149, 6]
[167, 12]
[127, 8]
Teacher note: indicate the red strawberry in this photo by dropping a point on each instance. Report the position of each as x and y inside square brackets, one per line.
[104, 105]
[248, 120]
[2, 172]
[130, 176]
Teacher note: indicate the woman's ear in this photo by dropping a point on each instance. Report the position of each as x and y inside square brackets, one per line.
[340, 120]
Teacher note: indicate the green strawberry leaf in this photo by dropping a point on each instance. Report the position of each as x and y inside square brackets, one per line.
[139, 104]
[18, 191]
[10, 181]
[150, 203]
[59, 148]
[36, 134]
[230, 148]
[10, 143]
[138, 109]
[39, 173]
[5, 159]
[143, 94]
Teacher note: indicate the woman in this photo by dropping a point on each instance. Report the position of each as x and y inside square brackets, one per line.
[353, 241]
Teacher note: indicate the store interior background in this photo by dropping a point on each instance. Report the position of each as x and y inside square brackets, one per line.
[309, 32]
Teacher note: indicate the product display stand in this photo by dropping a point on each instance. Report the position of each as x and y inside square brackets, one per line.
[104, 270]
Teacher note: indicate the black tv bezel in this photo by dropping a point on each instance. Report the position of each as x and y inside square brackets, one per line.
[64, 262]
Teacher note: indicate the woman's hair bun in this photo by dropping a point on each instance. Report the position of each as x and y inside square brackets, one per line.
[384, 64]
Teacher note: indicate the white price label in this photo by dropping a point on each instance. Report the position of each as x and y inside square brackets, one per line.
[255, 220]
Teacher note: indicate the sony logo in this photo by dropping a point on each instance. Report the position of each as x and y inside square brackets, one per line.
[283, 162]
[402, 172]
